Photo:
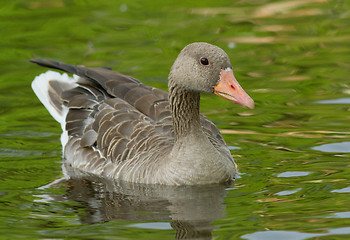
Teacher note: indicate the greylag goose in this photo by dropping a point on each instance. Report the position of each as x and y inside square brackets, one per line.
[116, 127]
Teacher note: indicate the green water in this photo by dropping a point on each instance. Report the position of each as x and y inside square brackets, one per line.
[293, 150]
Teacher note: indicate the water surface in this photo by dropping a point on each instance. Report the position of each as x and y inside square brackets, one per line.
[292, 57]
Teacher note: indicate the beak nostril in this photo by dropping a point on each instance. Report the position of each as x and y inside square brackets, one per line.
[232, 87]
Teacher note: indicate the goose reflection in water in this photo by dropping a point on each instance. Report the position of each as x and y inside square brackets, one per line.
[189, 209]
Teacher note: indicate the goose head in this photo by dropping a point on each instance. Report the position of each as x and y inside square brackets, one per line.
[202, 67]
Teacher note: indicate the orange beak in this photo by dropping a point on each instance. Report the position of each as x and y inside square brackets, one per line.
[229, 89]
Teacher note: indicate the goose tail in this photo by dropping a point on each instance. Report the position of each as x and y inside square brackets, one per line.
[48, 87]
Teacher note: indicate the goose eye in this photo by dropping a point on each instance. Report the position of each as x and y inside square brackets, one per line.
[204, 61]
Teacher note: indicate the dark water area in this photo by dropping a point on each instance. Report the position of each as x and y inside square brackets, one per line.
[293, 150]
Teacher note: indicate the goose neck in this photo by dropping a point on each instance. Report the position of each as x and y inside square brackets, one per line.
[184, 105]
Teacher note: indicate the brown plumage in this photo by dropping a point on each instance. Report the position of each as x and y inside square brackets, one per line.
[117, 127]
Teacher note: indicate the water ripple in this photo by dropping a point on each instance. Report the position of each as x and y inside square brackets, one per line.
[293, 174]
[290, 235]
[152, 225]
[288, 192]
[340, 215]
[343, 147]
[335, 101]
[343, 190]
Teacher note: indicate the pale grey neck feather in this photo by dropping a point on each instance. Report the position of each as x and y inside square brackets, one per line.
[184, 106]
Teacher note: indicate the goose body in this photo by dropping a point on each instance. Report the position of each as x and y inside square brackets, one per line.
[116, 127]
